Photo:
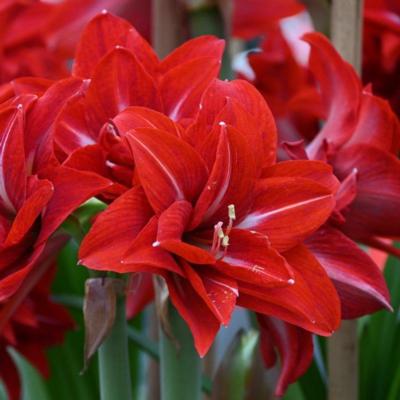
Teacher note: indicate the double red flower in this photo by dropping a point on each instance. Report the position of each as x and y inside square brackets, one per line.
[34, 325]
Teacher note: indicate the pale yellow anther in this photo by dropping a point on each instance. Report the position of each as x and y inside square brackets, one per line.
[221, 234]
[231, 212]
[225, 241]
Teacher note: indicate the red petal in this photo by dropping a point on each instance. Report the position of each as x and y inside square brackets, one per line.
[114, 231]
[71, 189]
[298, 203]
[201, 321]
[38, 145]
[310, 303]
[119, 81]
[140, 293]
[13, 171]
[144, 255]
[294, 345]
[359, 282]
[101, 35]
[317, 171]
[171, 227]
[231, 180]
[141, 117]
[9, 375]
[340, 89]
[33, 206]
[376, 125]
[182, 87]
[246, 110]
[218, 292]
[375, 210]
[250, 258]
[203, 46]
[169, 169]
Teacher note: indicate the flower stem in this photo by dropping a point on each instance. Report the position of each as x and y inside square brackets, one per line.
[114, 371]
[180, 365]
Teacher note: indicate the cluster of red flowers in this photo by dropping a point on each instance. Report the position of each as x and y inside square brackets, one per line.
[188, 165]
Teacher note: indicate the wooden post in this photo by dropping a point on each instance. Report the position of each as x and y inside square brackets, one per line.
[346, 34]
[168, 27]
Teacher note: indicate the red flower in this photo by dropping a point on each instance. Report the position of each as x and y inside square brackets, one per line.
[204, 220]
[38, 37]
[30, 326]
[89, 131]
[381, 49]
[255, 17]
[36, 194]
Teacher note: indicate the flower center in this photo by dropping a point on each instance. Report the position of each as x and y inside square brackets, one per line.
[221, 238]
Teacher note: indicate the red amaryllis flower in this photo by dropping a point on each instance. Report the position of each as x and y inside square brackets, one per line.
[255, 17]
[36, 194]
[381, 49]
[360, 140]
[202, 218]
[88, 132]
[38, 37]
[30, 326]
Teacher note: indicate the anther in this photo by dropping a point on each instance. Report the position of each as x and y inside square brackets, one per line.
[156, 243]
[222, 123]
[291, 281]
[231, 212]
[225, 241]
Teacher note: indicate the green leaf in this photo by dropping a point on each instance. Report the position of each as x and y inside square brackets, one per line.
[33, 385]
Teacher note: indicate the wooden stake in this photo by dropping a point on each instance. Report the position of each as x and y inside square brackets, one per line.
[346, 33]
[168, 31]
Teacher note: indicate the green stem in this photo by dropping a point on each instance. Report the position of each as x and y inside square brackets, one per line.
[114, 371]
[180, 365]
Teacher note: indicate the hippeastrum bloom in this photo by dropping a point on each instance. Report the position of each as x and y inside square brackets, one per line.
[359, 139]
[381, 49]
[252, 18]
[36, 194]
[202, 217]
[37, 37]
[89, 131]
[30, 327]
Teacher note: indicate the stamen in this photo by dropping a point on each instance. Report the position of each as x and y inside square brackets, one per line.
[225, 241]
[231, 212]
[217, 237]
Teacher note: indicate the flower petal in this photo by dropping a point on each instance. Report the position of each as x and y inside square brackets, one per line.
[182, 87]
[340, 90]
[218, 292]
[119, 81]
[375, 208]
[310, 303]
[169, 169]
[201, 321]
[231, 179]
[101, 35]
[318, 171]
[114, 231]
[298, 203]
[359, 282]
[71, 189]
[171, 227]
[250, 258]
[294, 345]
[13, 173]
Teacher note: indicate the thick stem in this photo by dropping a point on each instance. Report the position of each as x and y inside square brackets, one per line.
[179, 362]
[114, 372]
[346, 32]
